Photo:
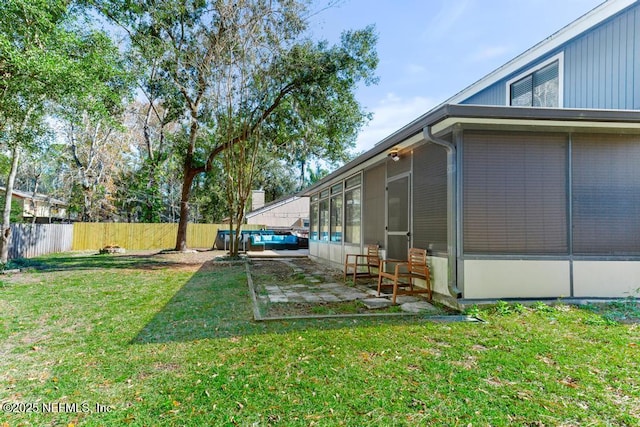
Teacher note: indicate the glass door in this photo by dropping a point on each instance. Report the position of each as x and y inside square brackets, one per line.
[398, 224]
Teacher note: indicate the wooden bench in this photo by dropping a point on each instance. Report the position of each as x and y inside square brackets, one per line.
[404, 273]
[369, 261]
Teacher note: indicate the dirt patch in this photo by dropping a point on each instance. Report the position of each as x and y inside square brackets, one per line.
[325, 309]
[294, 270]
[191, 257]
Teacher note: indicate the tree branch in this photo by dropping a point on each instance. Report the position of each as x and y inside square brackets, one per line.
[248, 132]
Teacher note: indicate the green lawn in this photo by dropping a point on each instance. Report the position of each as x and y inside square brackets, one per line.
[164, 343]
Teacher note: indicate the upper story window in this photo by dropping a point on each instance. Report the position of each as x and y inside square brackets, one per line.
[540, 87]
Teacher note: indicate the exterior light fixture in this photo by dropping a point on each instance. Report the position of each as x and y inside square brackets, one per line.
[394, 155]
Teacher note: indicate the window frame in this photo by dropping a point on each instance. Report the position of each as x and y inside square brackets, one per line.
[324, 220]
[349, 223]
[336, 218]
[314, 220]
[530, 71]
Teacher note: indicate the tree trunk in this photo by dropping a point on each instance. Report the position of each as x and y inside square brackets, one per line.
[33, 202]
[6, 215]
[236, 241]
[181, 238]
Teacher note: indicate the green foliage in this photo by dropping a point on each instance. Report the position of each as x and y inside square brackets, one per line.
[16, 212]
[49, 61]
[617, 311]
[5, 164]
[519, 308]
[503, 308]
[165, 344]
[208, 198]
[244, 80]
[541, 307]
[473, 311]
[606, 319]
[277, 178]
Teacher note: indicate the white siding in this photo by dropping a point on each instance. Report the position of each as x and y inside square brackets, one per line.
[516, 279]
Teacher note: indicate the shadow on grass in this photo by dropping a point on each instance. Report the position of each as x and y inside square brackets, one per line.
[215, 303]
[61, 262]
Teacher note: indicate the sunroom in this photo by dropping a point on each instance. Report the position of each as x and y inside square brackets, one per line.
[509, 202]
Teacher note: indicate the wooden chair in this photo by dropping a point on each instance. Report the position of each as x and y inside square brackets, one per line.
[404, 273]
[369, 260]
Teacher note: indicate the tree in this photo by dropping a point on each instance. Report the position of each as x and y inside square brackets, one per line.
[98, 155]
[242, 69]
[44, 59]
[276, 177]
[318, 115]
[150, 124]
[28, 63]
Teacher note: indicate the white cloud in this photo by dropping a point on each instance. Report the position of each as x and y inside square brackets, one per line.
[389, 115]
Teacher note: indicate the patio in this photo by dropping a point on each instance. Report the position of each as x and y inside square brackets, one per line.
[301, 281]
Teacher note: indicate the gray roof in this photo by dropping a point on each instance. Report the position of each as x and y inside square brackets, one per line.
[273, 205]
[38, 196]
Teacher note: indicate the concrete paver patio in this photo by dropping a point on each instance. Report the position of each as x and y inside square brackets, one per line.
[315, 290]
[314, 293]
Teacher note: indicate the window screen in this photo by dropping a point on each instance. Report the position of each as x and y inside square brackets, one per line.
[336, 219]
[515, 193]
[313, 222]
[430, 197]
[352, 200]
[373, 219]
[324, 220]
[606, 194]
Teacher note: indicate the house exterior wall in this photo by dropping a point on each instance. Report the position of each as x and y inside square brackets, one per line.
[516, 279]
[600, 68]
[540, 203]
[439, 268]
[285, 215]
[606, 279]
[535, 203]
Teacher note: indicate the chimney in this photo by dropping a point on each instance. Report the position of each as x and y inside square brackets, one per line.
[257, 199]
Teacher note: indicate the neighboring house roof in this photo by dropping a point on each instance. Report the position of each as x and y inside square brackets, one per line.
[273, 205]
[38, 197]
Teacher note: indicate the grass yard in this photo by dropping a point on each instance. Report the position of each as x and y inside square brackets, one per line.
[154, 341]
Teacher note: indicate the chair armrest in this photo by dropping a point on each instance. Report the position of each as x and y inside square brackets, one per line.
[397, 262]
[352, 255]
[358, 256]
[398, 265]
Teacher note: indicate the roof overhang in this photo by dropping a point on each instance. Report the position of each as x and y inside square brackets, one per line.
[444, 119]
[473, 116]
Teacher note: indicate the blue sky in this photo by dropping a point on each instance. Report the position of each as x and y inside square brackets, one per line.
[429, 50]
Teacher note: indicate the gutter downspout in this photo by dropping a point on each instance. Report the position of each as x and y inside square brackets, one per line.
[452, 226]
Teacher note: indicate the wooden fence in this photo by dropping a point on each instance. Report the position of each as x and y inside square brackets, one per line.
[30, 240]
[135, 236]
